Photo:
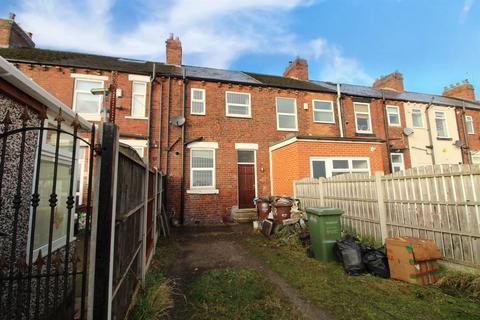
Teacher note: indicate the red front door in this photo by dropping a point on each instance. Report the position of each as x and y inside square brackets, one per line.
[246, 185]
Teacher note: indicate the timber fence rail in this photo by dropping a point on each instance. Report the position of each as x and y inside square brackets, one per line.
[435, 202]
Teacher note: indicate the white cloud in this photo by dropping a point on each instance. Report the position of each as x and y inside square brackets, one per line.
[467, 6]
[214, 33]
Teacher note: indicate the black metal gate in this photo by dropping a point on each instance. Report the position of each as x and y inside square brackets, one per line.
[45, 232]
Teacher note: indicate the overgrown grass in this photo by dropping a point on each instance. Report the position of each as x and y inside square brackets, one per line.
[364, 297]
[155, 298]
[460, 284]
[237, 293]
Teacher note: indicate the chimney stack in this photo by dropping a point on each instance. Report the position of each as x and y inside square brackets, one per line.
[392, 81]
[462, 90]
[297, 69]
[174, 50]
[11, 16]
[12, 35]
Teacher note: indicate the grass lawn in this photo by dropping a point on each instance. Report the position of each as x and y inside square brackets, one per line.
[364, 297]
[236, 293]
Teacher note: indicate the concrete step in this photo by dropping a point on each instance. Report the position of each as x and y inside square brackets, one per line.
[244, 215]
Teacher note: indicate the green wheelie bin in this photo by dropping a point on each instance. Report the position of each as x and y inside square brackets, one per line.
[325, 228]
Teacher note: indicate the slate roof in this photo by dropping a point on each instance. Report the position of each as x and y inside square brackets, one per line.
[99, 62]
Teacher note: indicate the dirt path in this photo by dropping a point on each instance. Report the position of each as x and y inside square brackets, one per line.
[216, 248]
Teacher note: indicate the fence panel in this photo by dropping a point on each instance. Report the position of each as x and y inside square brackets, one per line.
[435, 202]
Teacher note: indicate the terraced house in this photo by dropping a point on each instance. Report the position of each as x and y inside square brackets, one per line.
[223, 137]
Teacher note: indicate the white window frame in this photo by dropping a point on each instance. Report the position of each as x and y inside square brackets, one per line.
[399, 124]
[249, 105]
[89, 116]
[369, 117]
[286, 114]
[144, 94]
[136, 144]
[444, 118]
[212, 146]
[420, 112]
[467, 120]
[192, 100]
[401, 165]
[329, 165]
[323, 111]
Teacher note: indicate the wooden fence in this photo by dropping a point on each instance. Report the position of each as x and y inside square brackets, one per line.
[436, 202]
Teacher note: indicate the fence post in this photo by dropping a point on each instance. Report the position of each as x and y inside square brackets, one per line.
[294, 189]
[105, 232]
[382, 211]
[321, 191]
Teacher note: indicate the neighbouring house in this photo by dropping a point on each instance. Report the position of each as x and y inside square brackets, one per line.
[26, 188]
[223, 137]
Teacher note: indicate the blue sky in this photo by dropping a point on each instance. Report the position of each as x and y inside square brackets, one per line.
[433, 43]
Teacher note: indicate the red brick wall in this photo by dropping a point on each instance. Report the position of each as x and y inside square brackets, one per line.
[473, 139]
[298, 156]
[5, 26]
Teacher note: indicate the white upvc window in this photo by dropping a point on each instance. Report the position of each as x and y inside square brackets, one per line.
[238, 104]
[137, 145]
[84, 102]
[197, 103]
[286, 114]
[393, 116]
[202, 167]
[363, 121]
[397, 162]
[139, 97]
[417, 118]
[328, 166]
[441, 124]
[469, 124]
[323, 111]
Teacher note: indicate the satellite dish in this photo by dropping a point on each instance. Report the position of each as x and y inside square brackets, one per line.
[407, 131]
[458, 144]
[177, 121]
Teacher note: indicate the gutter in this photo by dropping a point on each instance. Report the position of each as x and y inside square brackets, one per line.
[429, 128]
[339, 110]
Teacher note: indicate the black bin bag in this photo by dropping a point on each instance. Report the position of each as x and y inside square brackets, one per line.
[348, 252]
[376, 262]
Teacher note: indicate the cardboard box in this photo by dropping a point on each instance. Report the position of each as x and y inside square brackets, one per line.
[413, 259]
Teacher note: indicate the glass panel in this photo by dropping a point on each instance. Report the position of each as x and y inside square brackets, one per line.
[202, 178]
[238, 98]
[393, 116]
[197, 107]
[198, 94]
[323, 116]
[285, 105]
[138, 105]
[361, 108]
[287, 122]
[441, 130]
[241, 110]
[246, 156]
[43, 211]
[439, 115]
[318, 168]
[87, 85]
[360, 164]
[469, 121]
[202, 158]
[87, 103]
[139, 87]
[340, 164]
[396, 158]
[417, 118]
[322, 105]
[396, 168]
[363, 122]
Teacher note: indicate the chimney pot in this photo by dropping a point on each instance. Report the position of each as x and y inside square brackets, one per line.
[11, 16]
[30, 35]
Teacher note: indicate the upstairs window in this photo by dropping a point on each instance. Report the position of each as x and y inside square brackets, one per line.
[197, 104]
[441, 124]
[417, 118]
[393, 116]
[286, 114]
[363, 123]
[323, 111]
[469, 124]
[238, 105]
[139, 93]
[84, 101]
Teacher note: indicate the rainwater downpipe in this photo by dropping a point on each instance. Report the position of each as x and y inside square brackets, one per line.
[429, 128]
[160, 128]
[339, 110]
[465, 133]
[182, 185]
[167, 137]
[387, 133]
[150, 107]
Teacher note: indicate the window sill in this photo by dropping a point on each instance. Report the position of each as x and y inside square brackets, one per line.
[395, 125]
[239, 117]
[136, 118]
[289, 130]
[198, 114]
[202, 191]
[325, 122]
[91, 116]
[444, 139]
[364, 134]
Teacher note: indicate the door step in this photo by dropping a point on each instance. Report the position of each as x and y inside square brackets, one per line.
[244, 215]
